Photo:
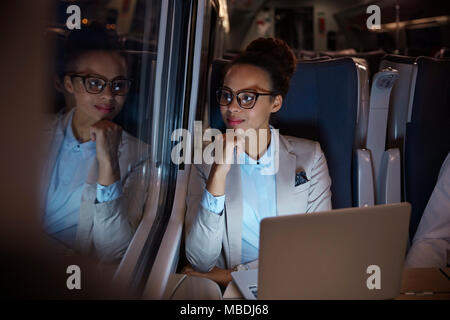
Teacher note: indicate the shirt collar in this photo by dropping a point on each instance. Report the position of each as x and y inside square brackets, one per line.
[249, 164]
[70, 142]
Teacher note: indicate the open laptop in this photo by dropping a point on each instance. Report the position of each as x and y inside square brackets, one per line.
[354, 253]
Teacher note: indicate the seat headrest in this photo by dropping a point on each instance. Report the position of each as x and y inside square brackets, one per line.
[399, 59]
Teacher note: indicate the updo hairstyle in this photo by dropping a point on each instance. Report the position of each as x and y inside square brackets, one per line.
[273, 56]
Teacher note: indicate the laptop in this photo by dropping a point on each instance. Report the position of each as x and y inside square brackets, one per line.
[353, 253]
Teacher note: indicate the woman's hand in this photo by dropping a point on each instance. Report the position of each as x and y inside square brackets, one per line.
[221, 276]
[107, 136]
[225, 145]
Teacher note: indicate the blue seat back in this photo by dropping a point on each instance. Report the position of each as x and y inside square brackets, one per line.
[215, 81]
[137, 111]
[427, 140]
[322, 105]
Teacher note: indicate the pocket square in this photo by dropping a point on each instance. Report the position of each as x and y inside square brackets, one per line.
[300, 178]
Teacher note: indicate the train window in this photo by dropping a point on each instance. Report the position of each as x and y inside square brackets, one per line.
[209, 53]
[133, 73]
[117, 87]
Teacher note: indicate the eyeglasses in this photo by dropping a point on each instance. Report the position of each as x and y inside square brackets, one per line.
[95, 85]
[245, 99]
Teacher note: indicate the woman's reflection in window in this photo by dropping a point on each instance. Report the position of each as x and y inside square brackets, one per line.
[93, 203]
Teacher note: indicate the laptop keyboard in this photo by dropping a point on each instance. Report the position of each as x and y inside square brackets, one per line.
[254, 290]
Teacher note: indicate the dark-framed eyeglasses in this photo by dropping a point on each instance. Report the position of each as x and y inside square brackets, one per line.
[94, 84]
[246, 99]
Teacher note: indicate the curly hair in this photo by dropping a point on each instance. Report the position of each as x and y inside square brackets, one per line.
[273, 56]
[94, 37]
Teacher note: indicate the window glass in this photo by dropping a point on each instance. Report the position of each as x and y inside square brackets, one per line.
[99, 169]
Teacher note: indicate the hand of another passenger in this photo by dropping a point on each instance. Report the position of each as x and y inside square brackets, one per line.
[107, 136]
[221, 276]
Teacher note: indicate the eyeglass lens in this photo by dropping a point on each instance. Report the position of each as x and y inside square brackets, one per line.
[245, 99]
[96, 85]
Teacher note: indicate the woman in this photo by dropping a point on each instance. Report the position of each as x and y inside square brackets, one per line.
[226, 202]
[93, 203]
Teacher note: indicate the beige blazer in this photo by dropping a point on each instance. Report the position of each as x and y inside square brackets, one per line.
[213, 239]
[104, 229]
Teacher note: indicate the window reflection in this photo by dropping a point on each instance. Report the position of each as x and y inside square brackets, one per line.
[98, 172]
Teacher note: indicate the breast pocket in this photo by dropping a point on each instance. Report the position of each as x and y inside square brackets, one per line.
[297, 201]
[302, 187]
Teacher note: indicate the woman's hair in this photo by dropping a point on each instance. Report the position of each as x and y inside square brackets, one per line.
[94, 37]
[273, 56]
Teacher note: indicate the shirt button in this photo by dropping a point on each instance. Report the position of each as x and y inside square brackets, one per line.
[76, 148]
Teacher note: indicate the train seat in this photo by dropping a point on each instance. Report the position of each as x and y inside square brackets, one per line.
[401, 97]
[324, 104]
[386, 163]
[216, 73]
[427, 138]
[306, 54]
[443, 53]
[373, 58]
[339, 53]
[135, 115]
[390, 168]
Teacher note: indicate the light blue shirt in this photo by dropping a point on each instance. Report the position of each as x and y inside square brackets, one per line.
[258, 200]
[66, 186]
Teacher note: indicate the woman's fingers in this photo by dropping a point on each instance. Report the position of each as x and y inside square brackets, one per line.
[229, 148]
[191, 272]
[197, 274]
[240, 144]
[226, 144]
[92, 133]
[107, 136]
[221, 276]
[187, 269]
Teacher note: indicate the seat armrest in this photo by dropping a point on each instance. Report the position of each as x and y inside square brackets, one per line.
[378, 116]
[389, 184]
[364, 189]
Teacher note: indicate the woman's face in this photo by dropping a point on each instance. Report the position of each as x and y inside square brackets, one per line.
[243, 77]
[92, 107]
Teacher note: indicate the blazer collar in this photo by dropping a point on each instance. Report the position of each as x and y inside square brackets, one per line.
[53, 139]
[285, 178]
[285, 182]
[234, 214]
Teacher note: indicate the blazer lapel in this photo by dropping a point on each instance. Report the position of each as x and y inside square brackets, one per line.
[233, 215]
[85, 220]
[124, 155]
[54, 138]
[285, 178]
